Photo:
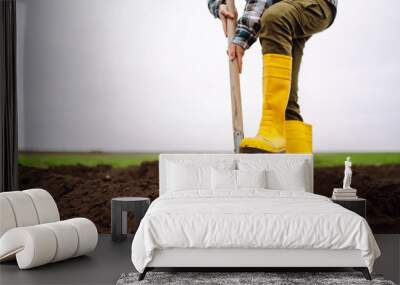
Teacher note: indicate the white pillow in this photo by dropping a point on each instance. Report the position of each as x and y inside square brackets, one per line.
[187, 174]
[228, 179]
[251, 178]
[288, 177]
[281, 174]
[188, 177]
[223, 179]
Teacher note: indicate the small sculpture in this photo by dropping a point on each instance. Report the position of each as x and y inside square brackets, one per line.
[347, 174]
[347, 192]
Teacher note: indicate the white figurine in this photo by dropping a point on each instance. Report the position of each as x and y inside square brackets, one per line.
[347, 174]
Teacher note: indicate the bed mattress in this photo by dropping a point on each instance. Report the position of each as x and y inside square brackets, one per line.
[250, 219]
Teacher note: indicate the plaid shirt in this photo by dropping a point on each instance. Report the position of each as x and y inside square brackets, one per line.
[248, 25]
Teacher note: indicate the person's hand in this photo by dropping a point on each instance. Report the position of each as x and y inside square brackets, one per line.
[236, 52]
[224, 14]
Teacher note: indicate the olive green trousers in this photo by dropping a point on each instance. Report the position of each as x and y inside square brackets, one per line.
[285, 28]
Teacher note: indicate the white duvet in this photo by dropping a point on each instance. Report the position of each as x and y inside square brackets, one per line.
[250, 219]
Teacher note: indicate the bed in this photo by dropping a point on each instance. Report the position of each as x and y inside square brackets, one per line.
[247, 211]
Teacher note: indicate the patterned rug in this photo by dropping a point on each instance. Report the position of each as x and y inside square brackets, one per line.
[269, 278]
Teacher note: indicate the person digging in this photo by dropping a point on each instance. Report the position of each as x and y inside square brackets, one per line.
[283, 27]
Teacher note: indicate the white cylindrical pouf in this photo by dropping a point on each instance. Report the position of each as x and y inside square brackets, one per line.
[7, 218]
[67, 239]
[34, 246]
[87, 234]
[45, 205]
[22, 205]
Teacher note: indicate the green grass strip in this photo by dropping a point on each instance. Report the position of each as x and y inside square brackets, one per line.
[358, 158]
[124, 160]
[88, 159]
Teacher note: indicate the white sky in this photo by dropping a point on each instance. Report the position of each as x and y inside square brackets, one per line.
[152, 75]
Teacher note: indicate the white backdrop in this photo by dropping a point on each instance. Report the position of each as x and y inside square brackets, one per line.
[152, 75]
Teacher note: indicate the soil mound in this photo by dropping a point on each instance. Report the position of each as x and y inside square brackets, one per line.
[82, 191]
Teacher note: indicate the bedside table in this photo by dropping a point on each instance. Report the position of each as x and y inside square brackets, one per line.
[357, 205]
[120, 207]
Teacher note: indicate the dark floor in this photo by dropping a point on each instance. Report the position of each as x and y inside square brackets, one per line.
[103, 266]
[111, 259]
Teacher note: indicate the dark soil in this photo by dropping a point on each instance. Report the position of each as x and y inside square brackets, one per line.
[81, 191]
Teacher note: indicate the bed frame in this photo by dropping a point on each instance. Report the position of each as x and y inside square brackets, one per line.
[245, 259]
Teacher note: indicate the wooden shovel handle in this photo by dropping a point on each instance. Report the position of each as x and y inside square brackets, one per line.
[236, 101]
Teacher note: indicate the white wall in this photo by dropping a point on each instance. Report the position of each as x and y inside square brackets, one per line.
[151, 75]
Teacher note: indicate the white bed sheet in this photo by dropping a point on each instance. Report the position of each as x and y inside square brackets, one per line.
[250, 218]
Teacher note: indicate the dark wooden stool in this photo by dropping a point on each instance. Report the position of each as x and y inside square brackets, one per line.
[119, 213]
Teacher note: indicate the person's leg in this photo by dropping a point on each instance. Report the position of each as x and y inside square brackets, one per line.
[293, 108]
[288, 20]
[317, 16]
[276, 36]
[280, 25]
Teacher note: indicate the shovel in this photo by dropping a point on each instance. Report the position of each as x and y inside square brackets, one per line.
[236, 101]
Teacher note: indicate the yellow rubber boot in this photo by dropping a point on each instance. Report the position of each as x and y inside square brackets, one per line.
[298, 137]
[277, 73]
